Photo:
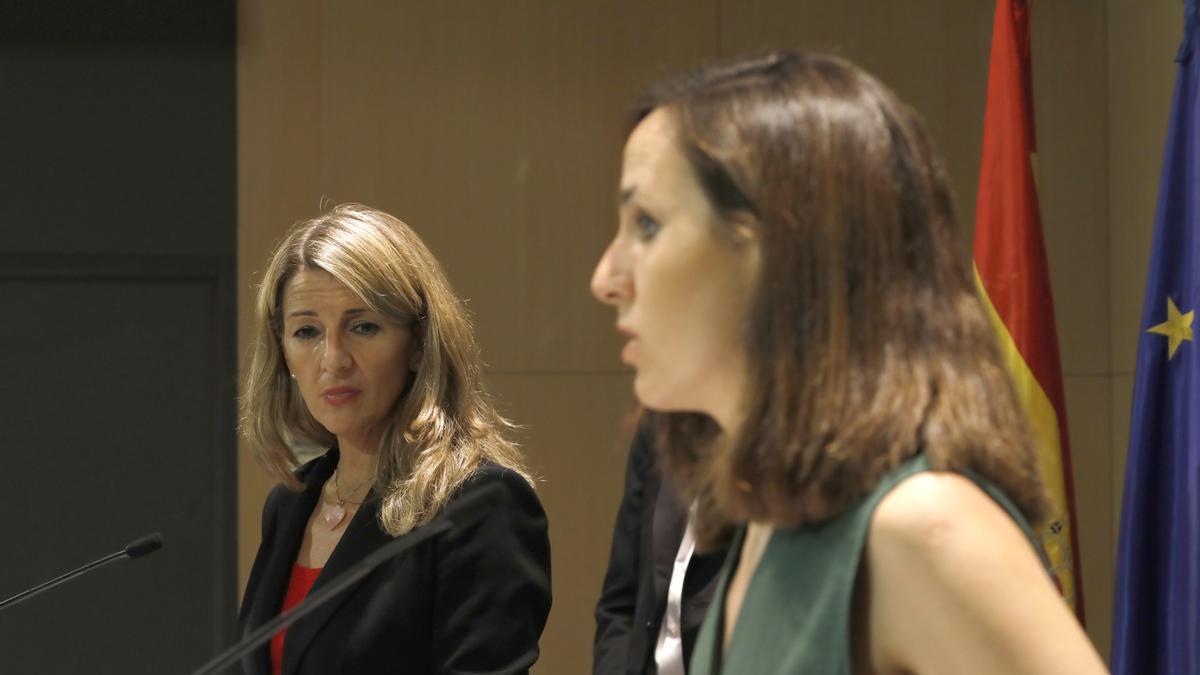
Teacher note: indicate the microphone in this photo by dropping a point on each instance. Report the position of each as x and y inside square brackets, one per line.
[144, 546]
[463, 511]
[134, 549]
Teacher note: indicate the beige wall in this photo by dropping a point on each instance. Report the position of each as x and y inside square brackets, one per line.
[494, 129]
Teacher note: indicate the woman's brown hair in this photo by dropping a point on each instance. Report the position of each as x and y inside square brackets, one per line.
[866, 342]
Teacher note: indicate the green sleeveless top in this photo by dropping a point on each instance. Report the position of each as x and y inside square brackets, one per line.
[796, 615]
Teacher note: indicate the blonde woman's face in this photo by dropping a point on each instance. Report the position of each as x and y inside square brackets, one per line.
[350, 363]
[680, 292]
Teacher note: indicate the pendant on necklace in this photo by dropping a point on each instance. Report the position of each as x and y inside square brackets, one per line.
[334, 515]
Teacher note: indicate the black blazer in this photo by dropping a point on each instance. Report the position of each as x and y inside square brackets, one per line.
[471, 600]
[649, 528]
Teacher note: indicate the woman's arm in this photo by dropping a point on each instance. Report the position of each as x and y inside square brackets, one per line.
[954, 587]
[492, 592]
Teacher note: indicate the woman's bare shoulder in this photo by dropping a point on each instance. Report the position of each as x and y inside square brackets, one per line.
[955, 586]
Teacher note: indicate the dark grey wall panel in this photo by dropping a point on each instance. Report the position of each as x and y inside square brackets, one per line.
[115, 416]
[117, 362]
[117, 148]
[117, 21]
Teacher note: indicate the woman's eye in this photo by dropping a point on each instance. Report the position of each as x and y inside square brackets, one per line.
[647, 227]
[365, 328]
[305, 332]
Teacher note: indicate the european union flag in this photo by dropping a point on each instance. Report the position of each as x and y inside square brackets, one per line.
[1157, 624]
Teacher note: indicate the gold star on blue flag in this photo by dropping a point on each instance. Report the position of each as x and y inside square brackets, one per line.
[1177, 328]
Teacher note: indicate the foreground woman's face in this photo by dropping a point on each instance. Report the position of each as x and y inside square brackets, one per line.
[680, 291]
[350, 363]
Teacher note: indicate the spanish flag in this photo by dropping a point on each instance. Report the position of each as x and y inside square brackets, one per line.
[1013, 281]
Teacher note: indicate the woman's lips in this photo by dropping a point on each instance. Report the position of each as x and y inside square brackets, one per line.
[339, 395]
[629, 353]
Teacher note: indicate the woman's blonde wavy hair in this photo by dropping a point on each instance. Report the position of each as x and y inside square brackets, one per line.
[442, 428]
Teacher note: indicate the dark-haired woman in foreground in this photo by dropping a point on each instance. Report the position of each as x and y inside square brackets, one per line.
[785, 271]
[362, 347]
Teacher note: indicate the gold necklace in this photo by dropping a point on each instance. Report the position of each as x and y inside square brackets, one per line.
[334, 515]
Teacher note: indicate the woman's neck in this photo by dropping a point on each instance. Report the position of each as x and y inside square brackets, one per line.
[355, 464]
[729, 404]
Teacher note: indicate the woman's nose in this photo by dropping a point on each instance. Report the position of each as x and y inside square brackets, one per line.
[611, 282]
[336, 358]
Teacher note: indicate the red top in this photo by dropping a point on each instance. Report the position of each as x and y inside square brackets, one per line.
[298, 587]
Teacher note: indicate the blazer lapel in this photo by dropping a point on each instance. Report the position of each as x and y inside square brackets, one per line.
[293, 519]
[363, 535]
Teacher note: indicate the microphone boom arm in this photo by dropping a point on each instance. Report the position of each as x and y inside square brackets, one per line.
[135, 549]
[25, 595]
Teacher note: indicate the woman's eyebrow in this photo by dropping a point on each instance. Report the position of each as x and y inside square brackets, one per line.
[310, 312]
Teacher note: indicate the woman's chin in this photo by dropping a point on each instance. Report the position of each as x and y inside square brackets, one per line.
[644, 393]
[660, 399]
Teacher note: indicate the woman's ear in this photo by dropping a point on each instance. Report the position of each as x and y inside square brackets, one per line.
[744, 226]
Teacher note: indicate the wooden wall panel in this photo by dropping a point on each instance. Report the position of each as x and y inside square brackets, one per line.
[278, 164]
[968, 49]
[760, 25]
[575, 439]
[1122, 407]
[494, 130]
[1070, 92]
[931, 52]
[1089, 399]
[1142, 40]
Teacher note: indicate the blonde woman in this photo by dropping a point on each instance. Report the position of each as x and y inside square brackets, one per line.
[363, 348]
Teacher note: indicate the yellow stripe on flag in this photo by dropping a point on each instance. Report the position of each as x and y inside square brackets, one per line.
[1056, 534]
